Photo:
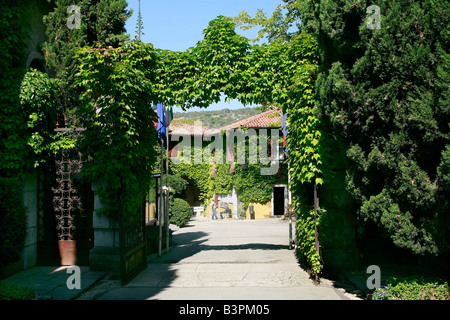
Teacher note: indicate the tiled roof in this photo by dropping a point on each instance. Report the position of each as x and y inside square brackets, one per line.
[271, 118]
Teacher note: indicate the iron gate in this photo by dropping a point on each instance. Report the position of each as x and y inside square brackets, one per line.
[67, 202]
[73, 204]
[66, 207]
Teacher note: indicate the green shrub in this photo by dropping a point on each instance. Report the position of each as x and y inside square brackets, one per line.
[180, 212]
[15, 292]
[413, 289]
[178, 184]
[12, 221]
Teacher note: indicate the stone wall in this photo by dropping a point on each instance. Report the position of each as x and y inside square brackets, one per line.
[105, 255]
[34, 37]
[30, 196]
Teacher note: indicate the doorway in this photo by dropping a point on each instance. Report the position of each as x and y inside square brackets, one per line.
[279, 200]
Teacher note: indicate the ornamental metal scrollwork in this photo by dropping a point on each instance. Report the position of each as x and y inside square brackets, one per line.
[66, 200]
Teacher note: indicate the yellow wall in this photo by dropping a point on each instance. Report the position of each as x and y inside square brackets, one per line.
[219, 209]
[150, 211]
[208, 211]
[262, 210]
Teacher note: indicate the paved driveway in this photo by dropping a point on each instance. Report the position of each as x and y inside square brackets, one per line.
[223, 260]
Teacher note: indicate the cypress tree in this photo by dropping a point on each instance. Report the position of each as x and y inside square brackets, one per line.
[101, 22]
[140, 24]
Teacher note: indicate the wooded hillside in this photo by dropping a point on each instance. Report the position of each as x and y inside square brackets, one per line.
[215, 119]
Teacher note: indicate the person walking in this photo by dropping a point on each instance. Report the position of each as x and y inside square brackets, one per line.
[214, 210]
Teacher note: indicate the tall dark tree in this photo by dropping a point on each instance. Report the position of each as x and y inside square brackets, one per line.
[100, 21]
[75, 24]
[385, 92]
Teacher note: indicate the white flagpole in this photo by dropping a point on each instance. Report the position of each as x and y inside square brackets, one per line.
[161, 205]
[167, 184]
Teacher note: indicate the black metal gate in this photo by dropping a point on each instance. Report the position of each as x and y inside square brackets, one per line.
[133, 257]
[66, 206]
[73, 204]
[67, 202]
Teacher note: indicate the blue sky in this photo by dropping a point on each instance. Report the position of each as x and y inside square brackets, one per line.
[178, 24]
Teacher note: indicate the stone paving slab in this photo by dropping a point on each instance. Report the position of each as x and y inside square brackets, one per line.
[50, 282]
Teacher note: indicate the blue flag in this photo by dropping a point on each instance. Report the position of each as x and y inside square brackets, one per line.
[161, 126]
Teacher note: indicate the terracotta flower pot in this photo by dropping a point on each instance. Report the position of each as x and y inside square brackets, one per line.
[68, 252]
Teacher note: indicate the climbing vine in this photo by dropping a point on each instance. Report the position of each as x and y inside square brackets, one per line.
[119, 139]
[305, 148]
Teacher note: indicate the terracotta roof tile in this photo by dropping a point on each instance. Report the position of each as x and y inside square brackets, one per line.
[263, 120]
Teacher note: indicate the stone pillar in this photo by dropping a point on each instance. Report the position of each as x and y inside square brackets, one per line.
[105, 255]
[30, 194]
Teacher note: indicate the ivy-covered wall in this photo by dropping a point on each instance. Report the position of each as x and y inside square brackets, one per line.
[23, 98]
[221, 177]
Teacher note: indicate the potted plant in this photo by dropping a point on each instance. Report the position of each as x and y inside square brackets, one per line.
[67, 245]
[68, 252]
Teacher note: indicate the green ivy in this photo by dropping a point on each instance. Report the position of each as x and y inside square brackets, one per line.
[12, 42]
[223, 180]
[200, 175]
[38, 97]
[304, 145]
[119, 140]
[14, 152]
[251, 186]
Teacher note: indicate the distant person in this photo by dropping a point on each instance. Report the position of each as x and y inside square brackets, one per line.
[214, 211]
[226, 211]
